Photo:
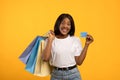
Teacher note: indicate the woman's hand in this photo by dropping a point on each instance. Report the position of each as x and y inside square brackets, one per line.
[51, 35]
[89, 39]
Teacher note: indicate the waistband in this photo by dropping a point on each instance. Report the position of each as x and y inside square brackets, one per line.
[65, 68]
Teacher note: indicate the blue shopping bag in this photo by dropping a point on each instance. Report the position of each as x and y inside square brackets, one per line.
[30, 65]
[25, 55]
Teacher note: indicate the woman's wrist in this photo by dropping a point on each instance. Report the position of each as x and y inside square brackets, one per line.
[50, 40]
[87, 44]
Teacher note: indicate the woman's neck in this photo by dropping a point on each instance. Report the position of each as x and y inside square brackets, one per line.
[61, 36]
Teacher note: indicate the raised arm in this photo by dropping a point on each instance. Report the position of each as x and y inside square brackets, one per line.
[47, 51]
[80, 59]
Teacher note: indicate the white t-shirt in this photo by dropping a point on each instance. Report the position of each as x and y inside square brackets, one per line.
[63, 51]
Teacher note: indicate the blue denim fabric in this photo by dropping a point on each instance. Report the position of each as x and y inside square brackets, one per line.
[73, 74]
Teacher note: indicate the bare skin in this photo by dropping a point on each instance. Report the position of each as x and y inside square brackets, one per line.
[80, 59]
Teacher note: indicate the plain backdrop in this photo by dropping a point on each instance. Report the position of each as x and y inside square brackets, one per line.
[22, 20]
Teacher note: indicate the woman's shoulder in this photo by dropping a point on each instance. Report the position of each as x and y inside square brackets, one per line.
[76, 40]
[74, 37]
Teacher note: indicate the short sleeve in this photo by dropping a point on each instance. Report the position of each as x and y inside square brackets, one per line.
[77, 47]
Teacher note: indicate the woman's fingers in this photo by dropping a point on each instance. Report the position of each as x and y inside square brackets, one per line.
[89, 39]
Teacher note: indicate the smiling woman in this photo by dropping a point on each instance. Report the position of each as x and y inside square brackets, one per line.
[65, 26]
[64, 50]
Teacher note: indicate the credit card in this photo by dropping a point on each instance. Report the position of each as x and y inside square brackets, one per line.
[83, 34]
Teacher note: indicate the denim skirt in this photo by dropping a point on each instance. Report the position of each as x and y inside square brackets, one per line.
[72, 74]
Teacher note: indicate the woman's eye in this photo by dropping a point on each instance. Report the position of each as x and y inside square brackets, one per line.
[62, 23]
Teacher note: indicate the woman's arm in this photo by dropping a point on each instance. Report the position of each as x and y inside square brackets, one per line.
[47, 51]
[80, 59]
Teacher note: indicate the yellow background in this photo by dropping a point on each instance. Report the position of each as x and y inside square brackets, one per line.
[22, 20]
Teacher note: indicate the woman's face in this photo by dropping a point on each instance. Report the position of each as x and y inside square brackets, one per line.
[65, 26]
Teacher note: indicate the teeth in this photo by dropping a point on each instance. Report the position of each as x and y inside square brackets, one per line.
[64, 30]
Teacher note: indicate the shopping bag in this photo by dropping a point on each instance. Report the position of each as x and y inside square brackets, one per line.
[25, 55]
[42, 68]
[31, 57]
[30, 65]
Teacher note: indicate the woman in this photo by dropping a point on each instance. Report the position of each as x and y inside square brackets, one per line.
[64, 50]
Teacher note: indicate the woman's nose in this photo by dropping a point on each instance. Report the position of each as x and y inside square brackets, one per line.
[65, 25]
